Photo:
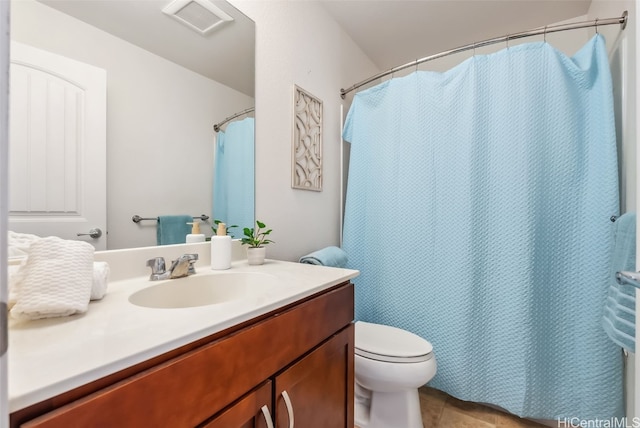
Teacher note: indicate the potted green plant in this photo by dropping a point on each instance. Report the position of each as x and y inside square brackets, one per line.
[216, 223]
[256, 239]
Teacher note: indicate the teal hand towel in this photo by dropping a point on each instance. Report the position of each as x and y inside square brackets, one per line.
[619, 320]
[173, 229]
[329, 256]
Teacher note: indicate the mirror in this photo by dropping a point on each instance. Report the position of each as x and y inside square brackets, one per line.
[166, 86]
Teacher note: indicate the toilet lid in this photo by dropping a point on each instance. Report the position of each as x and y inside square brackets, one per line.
[386, 343]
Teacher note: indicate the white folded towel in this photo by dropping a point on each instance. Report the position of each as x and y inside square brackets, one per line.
[12, 271]
[18, 249]
[100, 280]
[55, 280]
[19, 243]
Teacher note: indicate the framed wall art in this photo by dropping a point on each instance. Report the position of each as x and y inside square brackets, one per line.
[306, 169]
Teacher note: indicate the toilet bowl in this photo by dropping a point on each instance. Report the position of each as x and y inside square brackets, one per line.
[390, 365]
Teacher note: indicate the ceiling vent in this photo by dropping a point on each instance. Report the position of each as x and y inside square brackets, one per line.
[200, 15]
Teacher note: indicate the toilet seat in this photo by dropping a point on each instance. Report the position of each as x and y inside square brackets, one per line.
[390, 344]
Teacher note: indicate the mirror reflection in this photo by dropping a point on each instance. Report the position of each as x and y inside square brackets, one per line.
[234, 183]
[164, 86]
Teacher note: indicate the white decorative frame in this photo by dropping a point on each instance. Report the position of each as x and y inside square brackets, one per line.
[306, 167]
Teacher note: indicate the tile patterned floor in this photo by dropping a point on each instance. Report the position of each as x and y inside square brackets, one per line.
[440, 410]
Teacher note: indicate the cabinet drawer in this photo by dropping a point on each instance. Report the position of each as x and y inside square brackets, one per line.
[188, 389]
[247, 412]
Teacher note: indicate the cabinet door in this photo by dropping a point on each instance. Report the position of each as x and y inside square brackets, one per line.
[317, 391]
[251, 411]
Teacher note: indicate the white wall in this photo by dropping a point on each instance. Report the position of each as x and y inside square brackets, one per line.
[159, 122]
[298, 43]
[568, 42]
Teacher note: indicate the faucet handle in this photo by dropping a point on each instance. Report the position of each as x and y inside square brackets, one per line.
[157, 266]
[192, 259]
[183, 266]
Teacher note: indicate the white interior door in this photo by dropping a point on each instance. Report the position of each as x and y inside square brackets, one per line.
[57, 146]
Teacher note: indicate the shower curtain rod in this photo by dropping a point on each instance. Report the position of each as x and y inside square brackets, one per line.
[217, 126]
[622, 20]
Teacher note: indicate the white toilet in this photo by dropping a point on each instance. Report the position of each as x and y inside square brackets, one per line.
[390, 365]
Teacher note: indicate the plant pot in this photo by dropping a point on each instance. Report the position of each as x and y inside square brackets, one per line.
[256, 255]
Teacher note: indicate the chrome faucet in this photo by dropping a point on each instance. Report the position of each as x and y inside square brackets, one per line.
[183, 266]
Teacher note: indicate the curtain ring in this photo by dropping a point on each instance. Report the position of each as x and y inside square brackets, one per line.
[474, 48]
[545, 34]
[416, 65]
[508, 40]
[596, 25]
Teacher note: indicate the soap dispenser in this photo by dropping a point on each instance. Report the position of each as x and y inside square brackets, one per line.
[195, 235]
[221, 249]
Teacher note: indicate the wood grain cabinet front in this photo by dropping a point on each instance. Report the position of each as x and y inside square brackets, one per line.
[303, 351]
[251, 411]
[317, 390]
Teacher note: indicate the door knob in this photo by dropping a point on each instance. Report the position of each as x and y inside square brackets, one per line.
[95, 233]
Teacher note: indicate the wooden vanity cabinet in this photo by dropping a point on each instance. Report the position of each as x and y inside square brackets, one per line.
[319, 386]
[303, 351]
[248, 412]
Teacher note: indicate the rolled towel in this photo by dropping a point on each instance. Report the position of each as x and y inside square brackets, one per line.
[329, 256]
[100, 280]
[55, 280]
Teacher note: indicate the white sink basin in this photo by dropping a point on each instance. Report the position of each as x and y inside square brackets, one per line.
[203, 290]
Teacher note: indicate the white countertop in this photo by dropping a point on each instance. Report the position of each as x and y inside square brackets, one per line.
[51, 356]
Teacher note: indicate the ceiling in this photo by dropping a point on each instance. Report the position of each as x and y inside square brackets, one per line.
[395, 32]
[390, 32]
[226, 54]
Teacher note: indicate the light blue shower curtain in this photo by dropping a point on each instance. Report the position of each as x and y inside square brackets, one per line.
[478, 208]
[233, 183]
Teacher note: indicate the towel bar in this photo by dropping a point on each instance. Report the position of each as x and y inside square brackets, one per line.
[629, 278]
[137, 219]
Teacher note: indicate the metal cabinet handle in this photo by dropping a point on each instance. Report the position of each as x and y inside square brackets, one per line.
[267, 416]
[95, 233]
[287, 402]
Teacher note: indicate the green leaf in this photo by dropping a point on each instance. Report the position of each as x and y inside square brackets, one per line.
[260, 224]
